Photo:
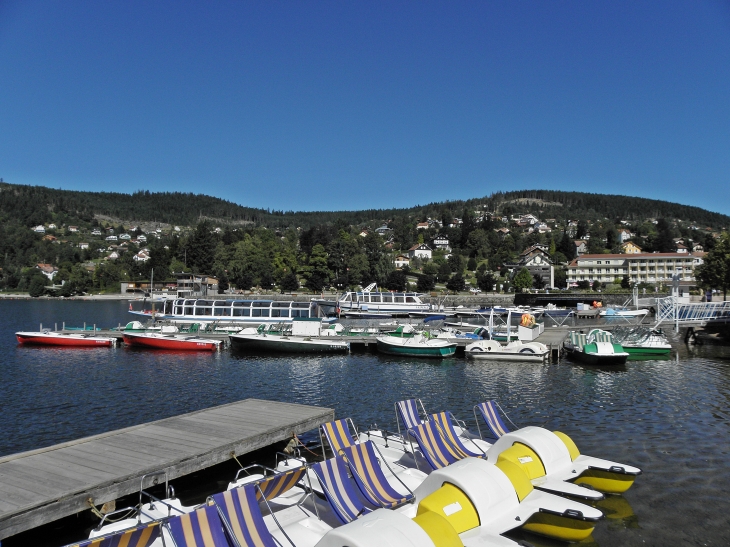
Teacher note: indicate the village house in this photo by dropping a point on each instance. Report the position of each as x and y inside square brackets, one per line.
[73, 229]
[39, 229]
[48, 270]
[441, 242]
[422, 226]
[401, 261]
[142, 256]
[83, 245]
[420, 251]
[681, 248]
[630, 248]
[383, 230]
[581, 247]
[624, 235]
[51, 226]
[537, 261]
[49, 237]
[96, 232]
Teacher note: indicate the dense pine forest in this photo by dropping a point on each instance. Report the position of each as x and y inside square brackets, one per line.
[91, 241]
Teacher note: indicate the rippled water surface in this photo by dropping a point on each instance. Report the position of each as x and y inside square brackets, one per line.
[668, 417]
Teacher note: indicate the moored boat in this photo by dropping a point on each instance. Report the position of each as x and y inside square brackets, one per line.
[251, 339]
[306, 336]
[372, 303]
[532, 352]
[53, 338]
[642, 342]
[178, 342]
[598, 348]
[416, 346]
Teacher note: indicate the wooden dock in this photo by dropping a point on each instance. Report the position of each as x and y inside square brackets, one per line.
[43, 485]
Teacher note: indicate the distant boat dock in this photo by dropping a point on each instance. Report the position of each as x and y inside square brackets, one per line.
[44, 485]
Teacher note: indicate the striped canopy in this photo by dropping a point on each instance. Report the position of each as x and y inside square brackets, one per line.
[280, 483]
[339, 490]
[140, 536]
[491, 416]
[338, 435]
[239, 509]
[408, 411]
[446, 427]
[434, 446]
[370, 477]
[201, 528]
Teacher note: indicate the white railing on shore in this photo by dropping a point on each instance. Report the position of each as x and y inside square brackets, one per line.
[671, 310]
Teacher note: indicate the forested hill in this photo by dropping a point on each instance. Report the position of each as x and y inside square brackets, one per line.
[33, 205]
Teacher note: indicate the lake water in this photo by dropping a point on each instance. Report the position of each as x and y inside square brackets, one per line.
[670, 417]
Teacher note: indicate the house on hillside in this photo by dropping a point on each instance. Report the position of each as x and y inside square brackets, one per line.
[73, 229]
[420, 251]
[581, 247]
[441, 242]
[383, 230]
[40, 229]
[537, 261]
[681, 248]
[48, 270]
[401, 261]
[83, 245]
[630, 248]
[422, 226]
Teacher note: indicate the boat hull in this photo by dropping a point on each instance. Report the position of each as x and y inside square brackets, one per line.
[416, 350]
[171, 342]
[505, 356]
[598, 359]
[639, 350]
[65, 340]
[283, 344]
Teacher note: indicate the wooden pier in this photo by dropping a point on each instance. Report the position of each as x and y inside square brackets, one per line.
[43, 485]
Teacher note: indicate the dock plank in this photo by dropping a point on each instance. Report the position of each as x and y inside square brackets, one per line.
[43, 485]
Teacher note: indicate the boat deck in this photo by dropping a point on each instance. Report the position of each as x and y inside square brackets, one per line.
[43, 485]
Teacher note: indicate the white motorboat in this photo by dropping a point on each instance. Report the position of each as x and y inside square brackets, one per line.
[373, 303]
[531, 352]
[417, 345]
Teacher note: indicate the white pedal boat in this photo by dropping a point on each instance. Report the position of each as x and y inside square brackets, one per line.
[531, 352]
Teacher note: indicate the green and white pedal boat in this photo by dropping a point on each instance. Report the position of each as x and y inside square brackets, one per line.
[418, 345]
[642, 342]
[598, 348]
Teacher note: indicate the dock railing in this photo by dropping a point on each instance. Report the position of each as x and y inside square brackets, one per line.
[671, 310]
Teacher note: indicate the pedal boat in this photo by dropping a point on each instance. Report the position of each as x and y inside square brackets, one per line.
[52, 338]
[530, 352]
[598, 348]
[470, 502]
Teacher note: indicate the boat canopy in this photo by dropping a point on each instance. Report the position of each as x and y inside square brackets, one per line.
[239, 308]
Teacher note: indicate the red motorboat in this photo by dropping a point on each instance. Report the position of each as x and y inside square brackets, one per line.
[52, 338]
[183, 342]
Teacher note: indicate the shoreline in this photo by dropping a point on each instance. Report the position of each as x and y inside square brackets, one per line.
[90, 297]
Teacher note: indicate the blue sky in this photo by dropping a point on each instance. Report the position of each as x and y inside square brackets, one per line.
[353, 105]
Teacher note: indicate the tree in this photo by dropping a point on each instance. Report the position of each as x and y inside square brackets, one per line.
[582, 229]
[425, 283]
[289, 282]
[523, 280]
[625, 282]
[537, 281]
[396, 281]
[456, 283]
[714, 273]
[584, 285]
[471, 265]
[444, 272]
[664, 242]
[597, 285]
[485, 281]
[37, 286]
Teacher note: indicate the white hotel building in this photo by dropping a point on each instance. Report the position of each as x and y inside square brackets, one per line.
[641, 267]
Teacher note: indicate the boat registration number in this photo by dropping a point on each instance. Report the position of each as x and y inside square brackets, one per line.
[525, 459]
